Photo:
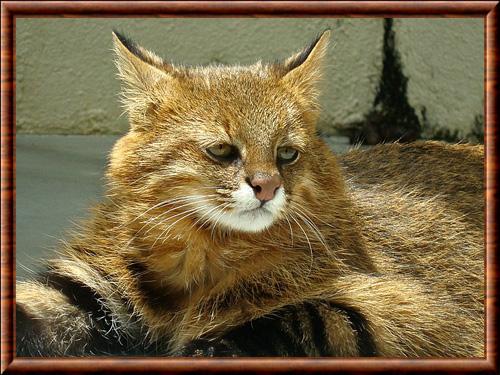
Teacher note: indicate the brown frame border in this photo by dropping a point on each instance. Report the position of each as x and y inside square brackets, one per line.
[12, 9]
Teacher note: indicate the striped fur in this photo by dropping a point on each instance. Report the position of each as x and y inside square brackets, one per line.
[377, 253]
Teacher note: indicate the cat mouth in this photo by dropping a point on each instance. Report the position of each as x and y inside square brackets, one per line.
[246, 213]
[256, 209]
[258, 213]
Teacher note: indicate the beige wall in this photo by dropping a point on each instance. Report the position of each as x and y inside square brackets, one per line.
[444, 62]
[66, 80]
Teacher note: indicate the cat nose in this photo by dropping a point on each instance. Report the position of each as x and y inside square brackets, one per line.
[264, 186]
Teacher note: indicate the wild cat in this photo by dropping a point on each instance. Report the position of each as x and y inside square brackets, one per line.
[230, 228]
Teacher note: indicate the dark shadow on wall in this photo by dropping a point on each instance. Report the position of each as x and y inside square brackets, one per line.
[392, 118]
[438, 132]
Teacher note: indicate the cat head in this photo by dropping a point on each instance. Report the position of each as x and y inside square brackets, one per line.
[224, 146]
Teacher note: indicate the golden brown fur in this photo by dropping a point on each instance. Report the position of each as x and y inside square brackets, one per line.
[394, 233]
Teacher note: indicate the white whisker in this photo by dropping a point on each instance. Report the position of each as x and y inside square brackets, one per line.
[206, 214]
[170, 201]
[217, 220]
[186, 215]
[315, 229]
[170, 210]
[291, 230]
[308, 242]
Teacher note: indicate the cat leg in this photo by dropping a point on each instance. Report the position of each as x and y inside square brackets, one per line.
[309, 329]
[61, 320]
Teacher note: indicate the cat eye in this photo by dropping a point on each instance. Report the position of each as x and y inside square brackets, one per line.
[287, 155]
[223, 152]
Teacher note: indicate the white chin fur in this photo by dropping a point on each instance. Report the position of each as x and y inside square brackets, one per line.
[247, 215]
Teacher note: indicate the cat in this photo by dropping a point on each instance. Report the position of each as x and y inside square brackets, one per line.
[228, 222]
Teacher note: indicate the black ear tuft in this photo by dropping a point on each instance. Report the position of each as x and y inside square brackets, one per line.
[302, 56]
[132, 46]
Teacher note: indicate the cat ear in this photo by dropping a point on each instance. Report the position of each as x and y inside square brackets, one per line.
[302, 71]
[140, 70]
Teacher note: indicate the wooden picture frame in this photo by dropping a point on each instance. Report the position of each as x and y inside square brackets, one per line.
[488, 10]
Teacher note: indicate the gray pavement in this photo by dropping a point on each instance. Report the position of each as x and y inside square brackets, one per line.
[57, 179]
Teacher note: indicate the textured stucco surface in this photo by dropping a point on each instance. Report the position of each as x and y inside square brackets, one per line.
[66, 77]
[445, 67]
[66, 84]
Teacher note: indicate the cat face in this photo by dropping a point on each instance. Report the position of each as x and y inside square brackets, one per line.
[217, 146]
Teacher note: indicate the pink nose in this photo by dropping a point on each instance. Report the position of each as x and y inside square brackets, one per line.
[265, 186]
